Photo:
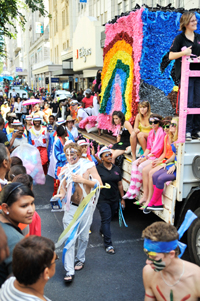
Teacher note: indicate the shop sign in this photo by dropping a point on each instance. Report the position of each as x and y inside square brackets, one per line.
[18, 69]
[83, 53]
[55, 80]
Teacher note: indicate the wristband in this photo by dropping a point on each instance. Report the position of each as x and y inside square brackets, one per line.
[164, 161]
[142, 157]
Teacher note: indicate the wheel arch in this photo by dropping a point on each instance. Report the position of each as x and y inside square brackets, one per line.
[191, 202]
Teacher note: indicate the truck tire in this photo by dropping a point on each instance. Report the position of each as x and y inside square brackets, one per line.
[193, 238]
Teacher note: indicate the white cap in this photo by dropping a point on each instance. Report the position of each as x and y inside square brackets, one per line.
[104, 149]
[82, 142]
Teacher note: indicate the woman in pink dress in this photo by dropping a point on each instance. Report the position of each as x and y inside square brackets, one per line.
[155, 144]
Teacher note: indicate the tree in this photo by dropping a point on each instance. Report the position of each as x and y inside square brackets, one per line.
[10, 11]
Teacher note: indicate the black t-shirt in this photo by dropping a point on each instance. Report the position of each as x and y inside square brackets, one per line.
[111, 177]
[182, 41]
[3, 138]
[54, 106]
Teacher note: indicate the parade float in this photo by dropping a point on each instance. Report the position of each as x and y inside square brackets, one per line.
[136, 65]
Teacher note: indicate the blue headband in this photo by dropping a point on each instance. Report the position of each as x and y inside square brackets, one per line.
[167, 246]
[160, 246]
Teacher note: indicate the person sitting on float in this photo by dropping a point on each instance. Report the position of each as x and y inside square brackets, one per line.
[77, 112]
[155, 144]
[164, 170]
[123, 139]
[141, 128]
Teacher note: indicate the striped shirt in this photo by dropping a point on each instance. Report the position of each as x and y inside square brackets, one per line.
[8, 292]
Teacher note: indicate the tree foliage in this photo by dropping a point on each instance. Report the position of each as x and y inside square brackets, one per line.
[10, 10]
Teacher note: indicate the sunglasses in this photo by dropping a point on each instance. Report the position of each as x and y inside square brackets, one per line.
[154, 122]
[108, 155]
[173, 125]
[166, 126]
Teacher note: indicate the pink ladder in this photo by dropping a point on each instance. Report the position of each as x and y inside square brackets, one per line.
[183, 109]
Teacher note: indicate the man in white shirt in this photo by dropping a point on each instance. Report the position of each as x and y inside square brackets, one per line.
[13, 93]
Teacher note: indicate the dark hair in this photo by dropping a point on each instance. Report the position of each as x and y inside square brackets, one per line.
[157, 116]
[24, 179]
[166, 120]
[30, 258]
[3, 153]
[120, 115]
[52, 116]
[60, 130]
[16, 161]
[13, 191]
[1, 121]
[16, 170]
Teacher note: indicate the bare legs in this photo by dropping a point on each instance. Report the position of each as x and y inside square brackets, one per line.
[116, 153]
[133, 142]
[150, 185]
[142, 138]
[145, 177]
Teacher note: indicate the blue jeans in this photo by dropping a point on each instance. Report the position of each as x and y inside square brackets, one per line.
[193, 120]
[107, 211]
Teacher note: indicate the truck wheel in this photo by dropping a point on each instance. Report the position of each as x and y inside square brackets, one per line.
[193, 238]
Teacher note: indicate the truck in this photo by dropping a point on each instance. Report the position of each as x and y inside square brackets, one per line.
[183, 193]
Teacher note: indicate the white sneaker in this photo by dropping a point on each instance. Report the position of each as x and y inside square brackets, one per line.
[198, 135]
[188, 137]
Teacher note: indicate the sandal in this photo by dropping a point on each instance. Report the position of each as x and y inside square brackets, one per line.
[79, 265]
[137, 203]
[110, 250]
[142, 207]
[68, 278]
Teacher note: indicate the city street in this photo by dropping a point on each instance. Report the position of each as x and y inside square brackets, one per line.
[104, 277]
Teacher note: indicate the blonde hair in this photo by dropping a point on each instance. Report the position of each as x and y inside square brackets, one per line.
[185, 20]
[74, 146]
[174, 137]
[144, 104]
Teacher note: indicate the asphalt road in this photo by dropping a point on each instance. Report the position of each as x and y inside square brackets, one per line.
[104, 277]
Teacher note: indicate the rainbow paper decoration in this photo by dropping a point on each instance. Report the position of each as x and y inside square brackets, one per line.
[134, 49]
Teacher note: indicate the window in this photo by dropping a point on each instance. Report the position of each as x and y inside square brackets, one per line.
[119, 8]
[67, 16]
[126, 5]
[101, 19]
[64, 46]
[105, 17]
[63, 19]
[57, 55]
[54, 26]
[132, 4]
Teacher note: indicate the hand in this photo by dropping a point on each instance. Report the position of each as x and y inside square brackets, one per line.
[123, 203]
[92, 151]
[78, 179]
[137, 131]
[59, 196]
[188, 51]
[140, 161]
[4, 250]
[155, 163]
[15, 134]
[164, 165]
[171, 170]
